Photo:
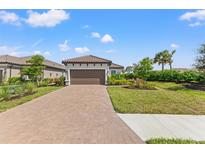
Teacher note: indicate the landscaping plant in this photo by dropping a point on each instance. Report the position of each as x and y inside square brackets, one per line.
[29, 88]
[141, 84]
[143, 68]
[35, 69]
[5, 93]
[15, 80]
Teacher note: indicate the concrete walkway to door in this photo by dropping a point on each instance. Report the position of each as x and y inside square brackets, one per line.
[74, 114]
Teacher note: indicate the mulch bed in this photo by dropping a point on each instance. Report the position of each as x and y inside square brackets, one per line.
[195, 86]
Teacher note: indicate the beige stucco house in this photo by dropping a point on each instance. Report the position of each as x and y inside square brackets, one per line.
[90, 70]
[10, 66]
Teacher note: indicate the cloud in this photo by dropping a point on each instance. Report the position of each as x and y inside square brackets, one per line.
[46, 19]
[196, 24]
[8, 50]
[37, 43]
[64, 46]
[107, 38]
[95, 35]
[82, 50]
[174, 46]
[10, 18]
[85, 26]
[197, 15]
[109, 51]
[47, 53]
[197, 18]
[38, 52]
[12, 51]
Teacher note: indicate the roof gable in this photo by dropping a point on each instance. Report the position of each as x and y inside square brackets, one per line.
[22, 61]
[113, 65]
[46, 63]
[87, 59]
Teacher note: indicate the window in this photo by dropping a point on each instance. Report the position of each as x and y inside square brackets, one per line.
[113, 72]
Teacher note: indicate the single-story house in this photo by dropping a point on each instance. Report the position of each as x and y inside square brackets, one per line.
[90, 70]
[10, 66]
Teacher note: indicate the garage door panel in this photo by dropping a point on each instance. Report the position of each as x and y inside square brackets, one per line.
[87, 76]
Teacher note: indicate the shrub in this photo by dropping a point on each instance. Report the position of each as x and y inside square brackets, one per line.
[29, 88]
[113, 81]
[15, 80]
[5, 93]
[52, 81]
[62, 81]
[19, 90]
[141, 84]
[118, 76]
[45, 82]
[201, 78]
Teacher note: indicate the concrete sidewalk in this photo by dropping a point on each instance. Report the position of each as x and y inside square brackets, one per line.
[149, 126]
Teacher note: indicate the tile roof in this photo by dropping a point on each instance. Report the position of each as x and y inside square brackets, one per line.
[113, 65]
[22, 61]
[87, 59]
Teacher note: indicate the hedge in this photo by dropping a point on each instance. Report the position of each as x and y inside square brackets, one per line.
[176, 76]
[166, 75]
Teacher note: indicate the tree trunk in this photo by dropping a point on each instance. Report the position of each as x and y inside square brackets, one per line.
[162, 66]
[170, 65]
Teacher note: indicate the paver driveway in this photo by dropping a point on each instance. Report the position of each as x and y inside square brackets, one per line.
[74, 114]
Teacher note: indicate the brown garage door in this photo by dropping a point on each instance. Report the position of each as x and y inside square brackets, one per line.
[87, 76]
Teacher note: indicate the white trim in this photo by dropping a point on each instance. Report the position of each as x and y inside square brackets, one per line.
[97, 68]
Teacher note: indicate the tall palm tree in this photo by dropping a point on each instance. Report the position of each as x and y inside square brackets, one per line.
[164, 57]
[170, 58]
[161, 58]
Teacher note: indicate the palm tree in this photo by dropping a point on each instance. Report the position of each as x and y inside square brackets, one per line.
[164, 57]
[170, 58]
[161, 58]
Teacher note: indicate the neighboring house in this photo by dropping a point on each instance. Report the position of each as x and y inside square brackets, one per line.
[129, 69]
[115, 69]
[11, 66]
[90, 70]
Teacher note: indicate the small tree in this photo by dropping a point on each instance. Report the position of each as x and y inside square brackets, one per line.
[200, 59]
[143, 67]
[35, 68]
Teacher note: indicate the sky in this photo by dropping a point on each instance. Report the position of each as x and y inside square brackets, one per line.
[123, 36]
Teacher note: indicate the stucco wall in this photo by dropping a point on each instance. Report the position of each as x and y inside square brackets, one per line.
[14, 71]
[3, 69]
[118, 71]
[52, 73]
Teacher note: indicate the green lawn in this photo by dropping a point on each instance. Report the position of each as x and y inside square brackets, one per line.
[169, 98]
[4, 105]
[173, 141]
